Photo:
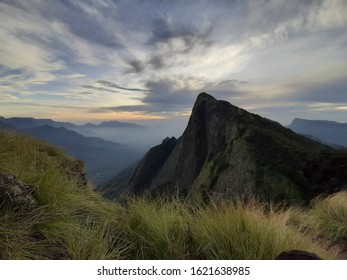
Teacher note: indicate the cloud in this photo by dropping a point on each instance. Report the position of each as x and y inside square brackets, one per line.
[163, 31]
[113, 85]
[7, 97]
[99, 88]
[161, 56]
[168, 92]
[334, 91]
[229, 89]
[157, 62]
[136, 66]
[162, 96]
[175, 37]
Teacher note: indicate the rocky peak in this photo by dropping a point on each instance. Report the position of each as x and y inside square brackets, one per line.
[226, 149]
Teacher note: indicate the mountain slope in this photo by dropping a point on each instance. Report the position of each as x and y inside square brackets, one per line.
[226, 149]
[32, 122]
[327, 131]
[103, 158]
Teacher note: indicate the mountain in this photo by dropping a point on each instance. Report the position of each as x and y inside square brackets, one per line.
[138, 137]
[118, 124]
[47, 211]
[330, 132]
[6, 126]
[32, 122]
[103, 158]
[225, 149]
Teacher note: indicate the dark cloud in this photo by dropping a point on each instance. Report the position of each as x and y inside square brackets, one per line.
[113, 85]
[164, 30]
[136, 66]
[164, 92]
[4, 72]
[166, 96]
[78, 20]
[99, 88]
[160, 97]
[82, 24]
[157, 62]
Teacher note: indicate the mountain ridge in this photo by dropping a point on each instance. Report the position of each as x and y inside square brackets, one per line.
[329, 132]
[225, 149]
[26, 122]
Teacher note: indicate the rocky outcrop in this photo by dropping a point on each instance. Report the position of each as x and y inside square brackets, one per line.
[16, 194]
[225, 149]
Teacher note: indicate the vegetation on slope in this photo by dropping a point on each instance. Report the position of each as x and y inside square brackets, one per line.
[71, 222]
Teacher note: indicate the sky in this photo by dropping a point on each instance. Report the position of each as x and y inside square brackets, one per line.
[146, 61]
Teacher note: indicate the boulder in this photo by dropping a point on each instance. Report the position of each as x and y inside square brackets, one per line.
[15, 193]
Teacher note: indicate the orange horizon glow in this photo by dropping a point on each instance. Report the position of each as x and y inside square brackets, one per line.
[118, 116]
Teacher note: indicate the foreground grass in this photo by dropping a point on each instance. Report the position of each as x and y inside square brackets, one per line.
[329, 217]
[75, 223]
[69, 223]
[173, 229]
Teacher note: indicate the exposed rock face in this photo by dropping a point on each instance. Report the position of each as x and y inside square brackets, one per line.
[297, 255]
[151, 164]
[226, 149]
[15, 193]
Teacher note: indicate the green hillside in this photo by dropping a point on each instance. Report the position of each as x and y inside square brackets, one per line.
[65, 219]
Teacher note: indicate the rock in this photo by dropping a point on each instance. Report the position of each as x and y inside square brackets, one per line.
[15, 193]
[297, 255]
[151, 164]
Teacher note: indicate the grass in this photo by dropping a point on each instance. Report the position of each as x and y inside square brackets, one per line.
[75, 223]
[251, 230]
[157, 228]
[329, 216]
[69, 223]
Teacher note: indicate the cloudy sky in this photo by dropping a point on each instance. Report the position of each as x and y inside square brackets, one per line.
[147, 60]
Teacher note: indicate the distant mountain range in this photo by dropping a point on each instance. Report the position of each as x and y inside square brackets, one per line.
[138, 137]
[103, 158]
[329, 132]
[32, 122]
[227, 150]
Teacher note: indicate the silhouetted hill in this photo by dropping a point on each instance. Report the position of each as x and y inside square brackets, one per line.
[329, 132]
[225, 149]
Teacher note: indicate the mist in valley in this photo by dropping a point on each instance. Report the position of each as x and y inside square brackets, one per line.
[141, 137]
